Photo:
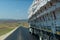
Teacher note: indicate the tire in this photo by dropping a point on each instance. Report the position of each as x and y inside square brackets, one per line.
[40, 38]
[31, 31]
[53, 38]
[34, 32]
[45, 37]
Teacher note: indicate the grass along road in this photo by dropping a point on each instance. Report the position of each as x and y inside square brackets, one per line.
[7, 27]
[5, 30]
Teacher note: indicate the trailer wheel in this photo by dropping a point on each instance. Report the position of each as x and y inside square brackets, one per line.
[31, 31]
[44, 37]
[40, 38]
[53, 38]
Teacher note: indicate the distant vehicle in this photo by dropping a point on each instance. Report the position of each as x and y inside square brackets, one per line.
[44, 19]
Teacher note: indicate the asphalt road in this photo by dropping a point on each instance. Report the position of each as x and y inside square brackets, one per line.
[21, 34]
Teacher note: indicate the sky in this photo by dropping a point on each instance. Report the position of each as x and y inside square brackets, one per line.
[14, 9]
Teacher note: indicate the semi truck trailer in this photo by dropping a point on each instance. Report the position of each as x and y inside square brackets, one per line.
[44, 19]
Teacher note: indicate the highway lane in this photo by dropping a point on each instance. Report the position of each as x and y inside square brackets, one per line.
[21, 34]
